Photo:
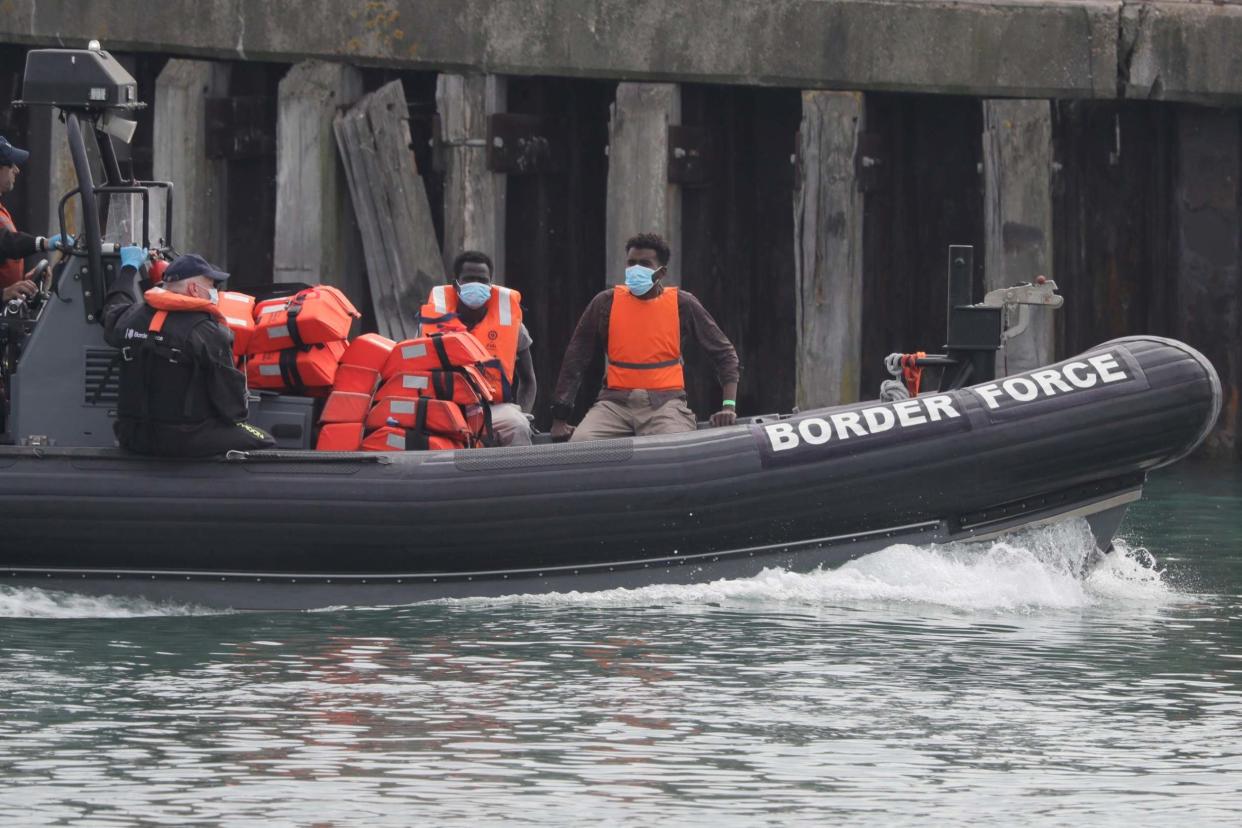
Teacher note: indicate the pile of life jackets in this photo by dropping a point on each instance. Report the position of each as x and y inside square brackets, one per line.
[419, 394]
[297, 342]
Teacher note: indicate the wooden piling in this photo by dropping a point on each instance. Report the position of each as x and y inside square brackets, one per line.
[1206, 198]
[828, 242]
[180, 156]
[316, 239]
[399, 241]
[474, 196]
[1017, 166]
[640, 197]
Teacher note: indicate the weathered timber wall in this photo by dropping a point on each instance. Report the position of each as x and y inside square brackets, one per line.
[924, 192]
[555, 225]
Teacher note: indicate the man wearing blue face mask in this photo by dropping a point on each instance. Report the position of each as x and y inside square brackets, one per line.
[493, 315]
[641, 325]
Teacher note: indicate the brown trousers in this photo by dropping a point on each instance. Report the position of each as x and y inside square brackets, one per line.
[634, 418]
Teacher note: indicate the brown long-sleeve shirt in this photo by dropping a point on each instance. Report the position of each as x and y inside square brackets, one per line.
[696, 323]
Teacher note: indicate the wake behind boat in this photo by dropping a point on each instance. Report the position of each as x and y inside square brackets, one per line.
[295, 528]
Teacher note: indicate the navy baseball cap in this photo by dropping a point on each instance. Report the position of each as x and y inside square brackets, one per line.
[11, 155]
[191, 265]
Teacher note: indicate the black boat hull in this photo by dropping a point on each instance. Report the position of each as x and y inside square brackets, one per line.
[298, 530]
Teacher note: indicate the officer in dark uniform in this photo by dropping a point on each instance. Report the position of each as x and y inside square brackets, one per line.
[15, 245]
[180, 393]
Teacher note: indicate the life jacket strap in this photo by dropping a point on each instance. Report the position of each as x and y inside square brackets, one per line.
[646, 366]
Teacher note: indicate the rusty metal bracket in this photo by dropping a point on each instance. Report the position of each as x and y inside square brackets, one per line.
[689, 152]
[520, 144]
[241, 127]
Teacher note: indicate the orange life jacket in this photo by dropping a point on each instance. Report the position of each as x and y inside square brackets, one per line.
[422, 414]
[392, 438]
[644, 341]
[368, 351]
[355, 379]
[233, 310]
[345, 407]
[238, 311]
[464, 386]
[497, 331]
[340, 437]
[11, 270]
[296, 370]
[311, 316]
[443, 352]
[165, 302]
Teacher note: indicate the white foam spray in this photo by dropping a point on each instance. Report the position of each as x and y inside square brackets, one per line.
[1040, 568]
[30, 602]
[1037, 569]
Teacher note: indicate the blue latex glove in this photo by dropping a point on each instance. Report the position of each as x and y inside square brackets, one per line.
[132, 256]
[58, 242]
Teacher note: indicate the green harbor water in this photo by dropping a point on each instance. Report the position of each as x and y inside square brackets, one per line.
[917, 685]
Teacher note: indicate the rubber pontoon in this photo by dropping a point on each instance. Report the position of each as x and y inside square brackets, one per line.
[304, 529]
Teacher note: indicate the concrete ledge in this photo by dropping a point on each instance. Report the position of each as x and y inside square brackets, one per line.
[987, 47]
[1182, 52]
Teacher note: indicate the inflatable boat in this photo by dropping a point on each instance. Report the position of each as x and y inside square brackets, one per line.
[295, 528]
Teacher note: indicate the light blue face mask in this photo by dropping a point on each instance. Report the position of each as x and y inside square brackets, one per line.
[474, 294]
[213, 296]
[638, 279]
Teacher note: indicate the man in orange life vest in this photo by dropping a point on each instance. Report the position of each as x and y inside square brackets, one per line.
[180, 394]
[641, 325]
[15, 245]
[493, 315]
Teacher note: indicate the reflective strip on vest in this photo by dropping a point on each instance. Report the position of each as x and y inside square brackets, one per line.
[277, 331]
[402, 406]
[506, 309]
[437, 299]
[414, 351]
[396, 441]
[281, 308]
[414, 381]
[269, 370]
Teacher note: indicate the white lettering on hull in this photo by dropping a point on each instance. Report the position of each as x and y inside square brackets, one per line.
[1100, 369]
[844, 425]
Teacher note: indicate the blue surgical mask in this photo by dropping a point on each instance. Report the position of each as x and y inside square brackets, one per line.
[213, 296]
[638, 279]
[474, 294]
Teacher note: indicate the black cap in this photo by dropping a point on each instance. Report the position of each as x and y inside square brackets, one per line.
[191, 265]
[11, 155]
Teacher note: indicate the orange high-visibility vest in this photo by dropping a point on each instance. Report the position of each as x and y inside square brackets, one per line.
[11, 270]
[644, 341]
[497, 331]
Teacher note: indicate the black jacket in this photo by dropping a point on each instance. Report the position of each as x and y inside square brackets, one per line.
[188, 381]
